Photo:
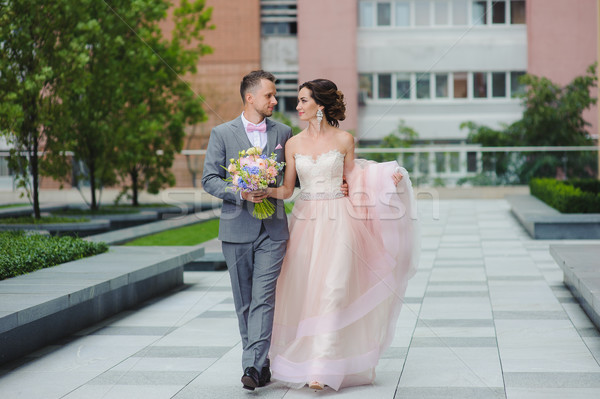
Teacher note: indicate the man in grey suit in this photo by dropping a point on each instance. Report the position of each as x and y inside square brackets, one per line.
[253, 248]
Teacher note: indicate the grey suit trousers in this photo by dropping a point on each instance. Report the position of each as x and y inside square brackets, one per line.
[254, 268]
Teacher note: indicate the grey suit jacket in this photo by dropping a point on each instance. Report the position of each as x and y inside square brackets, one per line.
[237, 224]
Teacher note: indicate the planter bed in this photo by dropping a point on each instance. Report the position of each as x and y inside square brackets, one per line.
[544, 222]
[80, 229]
[581, 271]
[38, 308]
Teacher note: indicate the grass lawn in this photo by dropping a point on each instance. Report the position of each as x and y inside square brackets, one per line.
[42, 220]
[288, 207]
[188, 235]
[12, 205]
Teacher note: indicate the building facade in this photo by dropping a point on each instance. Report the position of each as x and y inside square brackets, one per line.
[432, 64]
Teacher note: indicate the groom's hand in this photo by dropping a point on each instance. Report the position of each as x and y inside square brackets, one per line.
[255, 196]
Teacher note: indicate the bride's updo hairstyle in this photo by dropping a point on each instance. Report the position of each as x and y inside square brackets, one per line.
[326, 93]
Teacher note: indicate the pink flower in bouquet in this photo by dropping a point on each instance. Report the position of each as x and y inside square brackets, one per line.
[254, 171]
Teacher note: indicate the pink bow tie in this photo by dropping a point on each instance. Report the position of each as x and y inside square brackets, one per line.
[251, 127]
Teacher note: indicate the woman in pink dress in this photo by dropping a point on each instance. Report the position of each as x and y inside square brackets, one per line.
[348, 258]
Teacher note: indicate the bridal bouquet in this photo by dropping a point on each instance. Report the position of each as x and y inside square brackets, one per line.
[254, 171]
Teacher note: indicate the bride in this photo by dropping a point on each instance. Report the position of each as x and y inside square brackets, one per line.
[348, 258]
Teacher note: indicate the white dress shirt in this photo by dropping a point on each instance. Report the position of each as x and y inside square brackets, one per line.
[258, 139]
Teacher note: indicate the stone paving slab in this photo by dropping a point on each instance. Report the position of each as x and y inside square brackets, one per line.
[497, 322]
[83, 292]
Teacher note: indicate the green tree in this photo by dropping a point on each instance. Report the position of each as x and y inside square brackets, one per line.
[403, 137]
[281, 117]
[41, 57]
[159, 102]
[552, 116]
[132, 105]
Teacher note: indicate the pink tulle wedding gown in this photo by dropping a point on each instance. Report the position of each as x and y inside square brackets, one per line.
[345, 272]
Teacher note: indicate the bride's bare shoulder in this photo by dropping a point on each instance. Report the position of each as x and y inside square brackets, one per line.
[345, 139]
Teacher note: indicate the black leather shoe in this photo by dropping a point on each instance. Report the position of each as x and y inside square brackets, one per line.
[250, 378]
[265, 374]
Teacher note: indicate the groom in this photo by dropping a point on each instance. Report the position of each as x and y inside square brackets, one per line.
[253, 248]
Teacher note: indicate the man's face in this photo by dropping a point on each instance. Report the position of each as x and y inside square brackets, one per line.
[263, 99]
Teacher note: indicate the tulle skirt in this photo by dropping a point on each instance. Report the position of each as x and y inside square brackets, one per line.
[343, 280]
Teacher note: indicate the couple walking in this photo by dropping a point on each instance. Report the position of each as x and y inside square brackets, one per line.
[316, 303]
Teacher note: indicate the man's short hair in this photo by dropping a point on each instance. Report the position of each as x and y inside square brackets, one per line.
[252, 80]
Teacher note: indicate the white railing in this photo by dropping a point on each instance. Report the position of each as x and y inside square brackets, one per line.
[445, 164]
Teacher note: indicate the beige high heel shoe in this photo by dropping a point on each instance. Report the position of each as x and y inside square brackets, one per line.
[316, 385]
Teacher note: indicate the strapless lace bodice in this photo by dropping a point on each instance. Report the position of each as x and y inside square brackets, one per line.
[320, 178]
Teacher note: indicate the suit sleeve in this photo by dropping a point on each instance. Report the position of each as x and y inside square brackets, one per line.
[213, 174]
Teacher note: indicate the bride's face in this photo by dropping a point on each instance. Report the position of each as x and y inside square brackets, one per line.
[307, 106]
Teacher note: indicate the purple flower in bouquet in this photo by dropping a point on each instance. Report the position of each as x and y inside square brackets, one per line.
[255, 171]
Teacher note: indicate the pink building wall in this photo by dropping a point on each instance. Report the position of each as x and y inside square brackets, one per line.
[327, 48]
[562, 41]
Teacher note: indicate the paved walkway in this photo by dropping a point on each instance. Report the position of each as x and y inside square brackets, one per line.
[486, 316]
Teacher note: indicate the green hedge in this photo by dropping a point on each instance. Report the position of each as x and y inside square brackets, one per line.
[566, 197]
[588, 185]
[21, 253]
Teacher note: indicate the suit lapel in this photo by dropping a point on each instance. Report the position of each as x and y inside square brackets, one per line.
[240, 133]
[271, 138]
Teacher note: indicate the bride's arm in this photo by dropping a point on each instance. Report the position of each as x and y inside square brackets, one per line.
[289, 177]
[349, 159]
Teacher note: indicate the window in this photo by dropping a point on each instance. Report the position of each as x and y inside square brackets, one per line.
[365, 85]
[384, 85]
[441, 12]
[498, 12]
[423, 85]
[422, 13]
[498, 84]
[279, 28]
[402, 13]
[517, 12]
[516, 87]
[471, 162]
[459, 12]
[460, 85]
[278, 18]
[288, 104]
[438, 86]
[384, 14]
[479, 85]
[441, 85]
[403, 86]
[440, 161]
[479, 13]
[366, 14]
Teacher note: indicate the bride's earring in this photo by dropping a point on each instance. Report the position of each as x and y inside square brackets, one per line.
[319, 116]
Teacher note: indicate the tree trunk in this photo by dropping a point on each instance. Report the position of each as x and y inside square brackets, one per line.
[134, 187]
[35, 176]
[93, 205]
[32, 148]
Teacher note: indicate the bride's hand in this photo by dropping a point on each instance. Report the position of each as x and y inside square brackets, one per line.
[397, 176]
[344, 187]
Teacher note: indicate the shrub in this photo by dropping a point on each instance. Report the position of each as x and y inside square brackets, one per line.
[565, 197]
[588, 185]
[21, 253]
